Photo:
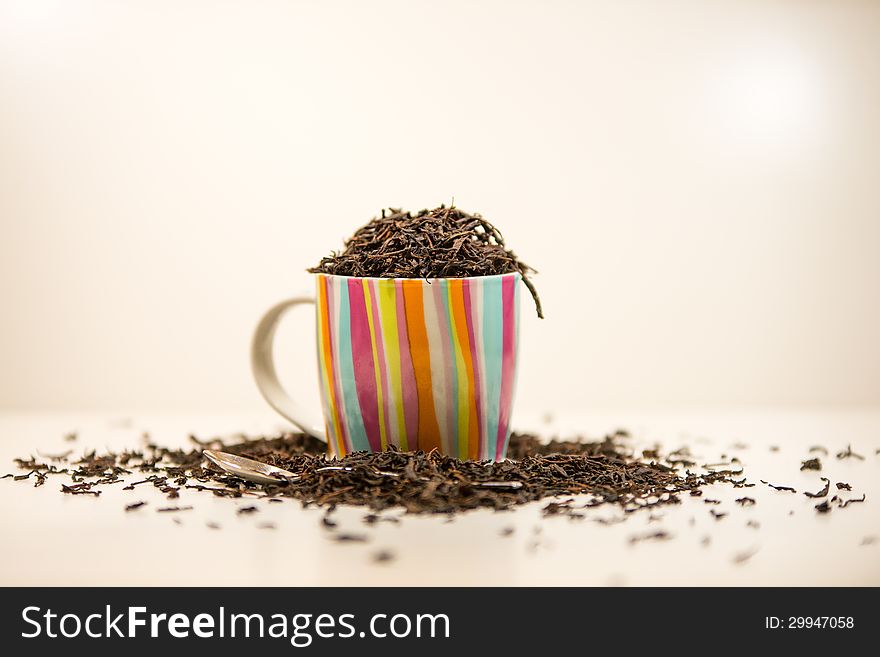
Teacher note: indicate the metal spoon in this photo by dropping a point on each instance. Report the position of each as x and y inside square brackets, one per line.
[249, 469]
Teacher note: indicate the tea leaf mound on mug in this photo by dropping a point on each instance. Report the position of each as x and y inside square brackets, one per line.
[441, 243]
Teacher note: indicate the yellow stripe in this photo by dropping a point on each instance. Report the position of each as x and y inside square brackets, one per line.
[455, 296]
[388, 311]
[369, 306]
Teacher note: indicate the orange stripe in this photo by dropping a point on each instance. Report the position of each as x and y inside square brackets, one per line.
[328, 360]
[458, 313]
[429, 430]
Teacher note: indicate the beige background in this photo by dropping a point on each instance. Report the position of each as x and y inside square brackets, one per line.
[696, 181]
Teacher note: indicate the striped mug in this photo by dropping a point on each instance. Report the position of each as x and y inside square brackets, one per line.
[418, 364]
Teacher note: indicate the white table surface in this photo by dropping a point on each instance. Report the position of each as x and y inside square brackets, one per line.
[55, 539]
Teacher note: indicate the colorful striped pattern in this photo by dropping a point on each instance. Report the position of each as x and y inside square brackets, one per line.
[418, 364]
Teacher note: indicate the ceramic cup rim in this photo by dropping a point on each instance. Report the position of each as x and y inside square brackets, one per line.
[446, 278]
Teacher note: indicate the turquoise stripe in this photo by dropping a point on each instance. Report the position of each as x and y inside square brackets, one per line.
[352, 414]
[493, 342]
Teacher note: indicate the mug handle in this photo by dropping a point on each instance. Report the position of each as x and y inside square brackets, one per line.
[263, 367]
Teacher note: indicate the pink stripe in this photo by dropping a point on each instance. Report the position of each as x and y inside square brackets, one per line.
[337, 388]
[380, 355]
[362, 360]
[441, 304]
[407, 373]
[508, 358]
[475, 361]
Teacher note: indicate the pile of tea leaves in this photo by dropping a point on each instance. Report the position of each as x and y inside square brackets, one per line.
[441, 243]
[606, 471]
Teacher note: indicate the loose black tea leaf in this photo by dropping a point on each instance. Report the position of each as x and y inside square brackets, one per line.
[56, 457]
[70, 437]
[843, 486]
[811, 464]
[742, 557]
[441, 243]
[785, 488]
[823, 492]
[718, 515]
[173, 509]
[708, 501]
[383, 556]
[565, 508]
[373, 518]
[819, 448]
[849, 454]
[136, 505]
[350, 538]
[79, 489]
[660, 535]
[844, 504]
[823, 507]
[754, 524]
[247, 509]
[745, 501]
